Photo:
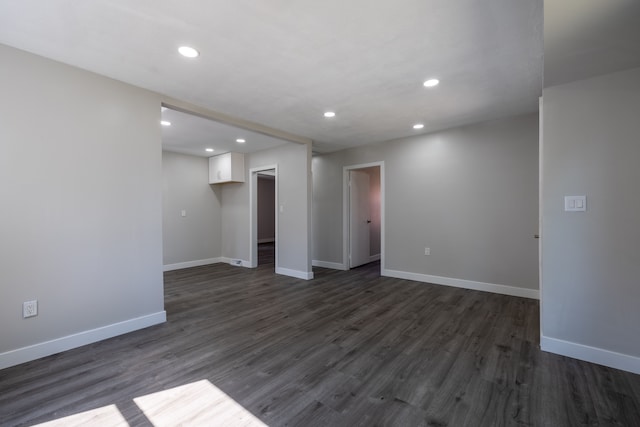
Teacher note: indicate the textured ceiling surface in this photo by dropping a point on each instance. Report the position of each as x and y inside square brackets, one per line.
[587, 38]
[282, 63]
[189, 134]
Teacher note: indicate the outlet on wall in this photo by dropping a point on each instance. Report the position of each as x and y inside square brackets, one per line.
[427, 251]
[29, 308]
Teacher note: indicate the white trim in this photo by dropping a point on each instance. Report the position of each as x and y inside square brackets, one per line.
[244, 263]
[295, 273]
[47, 348]
[591, 354]
[267, 240]
[373, 258]
[540, 208]
[462, 283]
[328, 264]
[345, 210]
[346, 249]
[187, 264]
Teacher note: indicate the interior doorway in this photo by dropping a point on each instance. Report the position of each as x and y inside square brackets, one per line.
[263, 189]
[266, 217]
[363, 222]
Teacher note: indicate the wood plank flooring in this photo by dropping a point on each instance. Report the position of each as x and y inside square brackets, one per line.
[247, 347]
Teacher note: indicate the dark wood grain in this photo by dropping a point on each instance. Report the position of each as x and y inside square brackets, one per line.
[345, 349]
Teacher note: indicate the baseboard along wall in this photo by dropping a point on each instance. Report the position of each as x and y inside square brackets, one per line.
[328, 264]
[466, 284]
[187, 264]
[47, 348]
[587, 353]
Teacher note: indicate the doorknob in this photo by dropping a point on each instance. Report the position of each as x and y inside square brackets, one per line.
[536, 236]
[368, 221]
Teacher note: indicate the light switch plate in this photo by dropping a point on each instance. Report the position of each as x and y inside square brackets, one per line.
[575, 203]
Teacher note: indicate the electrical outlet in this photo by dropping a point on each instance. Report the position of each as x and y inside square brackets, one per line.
[427, 251]
[29, 308]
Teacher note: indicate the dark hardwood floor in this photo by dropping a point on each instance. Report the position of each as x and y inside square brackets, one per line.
[267, 254]
[247, 347]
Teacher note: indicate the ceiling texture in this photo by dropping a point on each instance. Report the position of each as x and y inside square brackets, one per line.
[283, 63]
[193, 135]
[588, 38]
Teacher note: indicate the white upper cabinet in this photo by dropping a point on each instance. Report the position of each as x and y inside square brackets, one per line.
[227, 167]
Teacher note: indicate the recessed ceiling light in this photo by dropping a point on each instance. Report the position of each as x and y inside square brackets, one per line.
[165, 123]
[329, 114]
[210, 150]
[240, 140]
[431, 83]
[188, 51]
[418, 126]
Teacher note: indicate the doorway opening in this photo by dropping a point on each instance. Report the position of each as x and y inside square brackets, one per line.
[264, 217]
[363, 216]
[266, 190]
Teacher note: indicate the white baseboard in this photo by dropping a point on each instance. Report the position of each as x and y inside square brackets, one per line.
[243, 263]
[267, 240]
[187, 264]
[339, 265]
[47, 348]
[295, 273]
[466, 284]
[327, 264]
[591, 354]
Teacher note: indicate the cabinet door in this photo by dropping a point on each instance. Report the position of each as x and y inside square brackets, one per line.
[227, 167]
[219, 169]
[236, 167]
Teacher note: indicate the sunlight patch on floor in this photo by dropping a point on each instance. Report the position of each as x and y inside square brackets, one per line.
[196, 404]
[107, 416]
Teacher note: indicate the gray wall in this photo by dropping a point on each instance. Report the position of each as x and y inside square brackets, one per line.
[591, 261]
[294, 179]
[266, 208]
[80, 223]
[469, 193]
[195, 237]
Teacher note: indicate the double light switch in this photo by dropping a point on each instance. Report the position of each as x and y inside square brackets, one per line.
[575, 203]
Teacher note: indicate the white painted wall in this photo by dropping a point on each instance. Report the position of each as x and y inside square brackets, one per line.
[80, 222]
[195, 238]
[591, 261]
[469, 193]
[294, 196]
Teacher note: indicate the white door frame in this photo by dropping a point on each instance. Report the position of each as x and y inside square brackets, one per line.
[253, 217]
[540, 210]
[345, 212]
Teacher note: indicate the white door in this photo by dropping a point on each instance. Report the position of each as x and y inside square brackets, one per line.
[359, 219]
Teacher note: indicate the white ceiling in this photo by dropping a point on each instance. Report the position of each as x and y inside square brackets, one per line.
[282, 63]
[189, 134]
[587, 38]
